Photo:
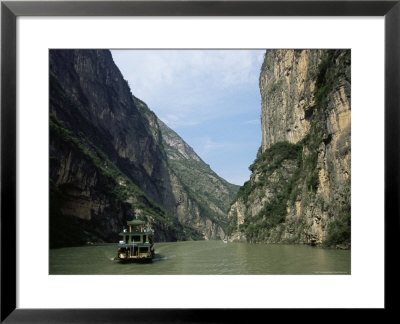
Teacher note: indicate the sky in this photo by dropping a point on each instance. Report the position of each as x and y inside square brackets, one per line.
[210, 98]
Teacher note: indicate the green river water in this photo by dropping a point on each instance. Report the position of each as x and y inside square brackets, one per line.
[204, 257]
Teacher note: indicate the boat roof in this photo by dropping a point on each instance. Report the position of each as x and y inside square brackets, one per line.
[136, 233]
[136, 222]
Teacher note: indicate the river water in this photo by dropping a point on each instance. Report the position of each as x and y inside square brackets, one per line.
[204, 257]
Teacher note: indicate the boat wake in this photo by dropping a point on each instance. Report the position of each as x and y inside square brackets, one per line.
[160, 259]
[155, 259]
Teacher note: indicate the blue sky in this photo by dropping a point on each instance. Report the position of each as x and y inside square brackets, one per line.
[209, 97]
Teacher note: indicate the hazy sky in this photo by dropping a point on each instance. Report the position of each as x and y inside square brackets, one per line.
[209, 97]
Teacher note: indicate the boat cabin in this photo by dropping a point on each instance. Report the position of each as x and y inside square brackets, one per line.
[136, 244]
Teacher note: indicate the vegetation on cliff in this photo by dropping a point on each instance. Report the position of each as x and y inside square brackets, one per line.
[284, 201]
[283, 183]
[124, 198]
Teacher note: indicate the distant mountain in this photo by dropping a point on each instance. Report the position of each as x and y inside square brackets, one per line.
[112, 159]
[204, 194]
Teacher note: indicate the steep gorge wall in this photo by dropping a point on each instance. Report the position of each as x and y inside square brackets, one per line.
[299, 190]
[287, 85]
[106, 166]
[108, 162]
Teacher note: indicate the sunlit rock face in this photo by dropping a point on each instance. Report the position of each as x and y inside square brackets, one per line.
[301, 178]
[287, 85]
[110, 161]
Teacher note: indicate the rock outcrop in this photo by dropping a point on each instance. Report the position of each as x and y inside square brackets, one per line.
[109, 160]
[299, 190]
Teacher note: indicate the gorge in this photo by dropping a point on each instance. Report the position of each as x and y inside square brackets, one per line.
[112, 159]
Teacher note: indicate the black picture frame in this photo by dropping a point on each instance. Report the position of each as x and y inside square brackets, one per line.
[10, 10]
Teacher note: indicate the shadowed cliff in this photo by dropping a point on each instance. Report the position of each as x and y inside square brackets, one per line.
[110, 162]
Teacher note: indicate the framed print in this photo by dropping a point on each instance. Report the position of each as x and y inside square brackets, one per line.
[79, 145]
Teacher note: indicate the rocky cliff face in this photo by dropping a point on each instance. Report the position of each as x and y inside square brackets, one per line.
[299, 190]
[108, 161]
[202, 197]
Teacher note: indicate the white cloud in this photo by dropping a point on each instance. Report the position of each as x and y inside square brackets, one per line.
[178, 81]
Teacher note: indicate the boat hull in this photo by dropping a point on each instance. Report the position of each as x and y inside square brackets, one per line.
[125, 256]
[135, 260]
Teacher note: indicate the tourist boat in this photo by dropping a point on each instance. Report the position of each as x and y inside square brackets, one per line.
[225, 241]
[136, 243]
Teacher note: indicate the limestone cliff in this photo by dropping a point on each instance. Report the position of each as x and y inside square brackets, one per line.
[108, 161]
[299, 190]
